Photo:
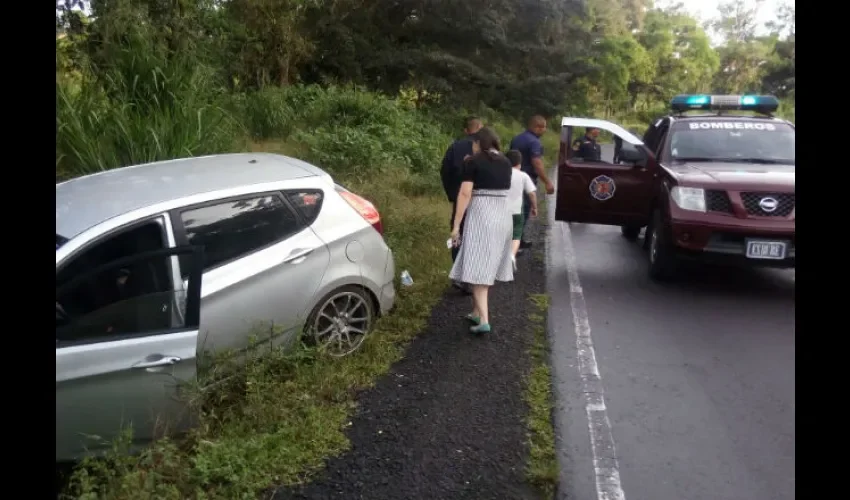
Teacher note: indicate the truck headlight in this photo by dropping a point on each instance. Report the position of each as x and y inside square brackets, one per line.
[689, 198]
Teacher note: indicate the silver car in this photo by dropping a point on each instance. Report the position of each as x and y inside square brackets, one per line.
[157, 262]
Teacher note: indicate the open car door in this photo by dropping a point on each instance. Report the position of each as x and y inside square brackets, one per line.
[615, 191]
[125, 343]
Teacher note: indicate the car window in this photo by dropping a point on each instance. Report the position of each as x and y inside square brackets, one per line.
[734, 140]
[231, 229]
[125, 297]
[307, 201]
[144, 237]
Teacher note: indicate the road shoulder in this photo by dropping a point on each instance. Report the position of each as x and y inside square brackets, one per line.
[449, 420]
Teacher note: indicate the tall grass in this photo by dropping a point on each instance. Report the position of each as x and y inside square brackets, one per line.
[144, 105]
[347, 131]
[278, 418]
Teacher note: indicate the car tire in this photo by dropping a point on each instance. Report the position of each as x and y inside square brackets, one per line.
[330, 328]
[631, 233]
[662, 262]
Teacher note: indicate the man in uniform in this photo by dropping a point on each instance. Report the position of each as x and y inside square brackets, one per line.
[587, 148]
[529, 145]
[450, 171]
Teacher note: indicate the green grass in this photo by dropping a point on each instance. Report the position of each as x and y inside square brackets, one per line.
[542, 468]
[276, 421]
[275, 417]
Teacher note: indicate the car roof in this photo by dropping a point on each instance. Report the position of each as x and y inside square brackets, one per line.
[86, 201]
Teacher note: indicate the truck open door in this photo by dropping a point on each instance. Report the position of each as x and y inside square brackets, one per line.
[604, 192]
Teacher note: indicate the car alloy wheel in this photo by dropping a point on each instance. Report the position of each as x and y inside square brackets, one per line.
[653, 245]
[342, 320]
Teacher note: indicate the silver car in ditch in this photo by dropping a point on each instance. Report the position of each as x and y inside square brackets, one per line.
[158, 262]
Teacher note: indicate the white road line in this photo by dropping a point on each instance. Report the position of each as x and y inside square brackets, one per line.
[605, 465]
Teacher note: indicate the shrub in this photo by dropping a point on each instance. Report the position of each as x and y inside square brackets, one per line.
[268, 113]
[348, 131]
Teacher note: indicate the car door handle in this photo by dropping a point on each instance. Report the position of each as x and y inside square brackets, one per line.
[297, 256]
[160, 361]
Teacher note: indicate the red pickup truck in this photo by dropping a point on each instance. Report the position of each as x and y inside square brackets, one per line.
[708, 182]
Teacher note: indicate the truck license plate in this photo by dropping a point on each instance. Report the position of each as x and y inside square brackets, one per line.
[758, 249]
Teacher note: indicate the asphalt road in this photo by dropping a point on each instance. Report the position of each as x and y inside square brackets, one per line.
[698, 376]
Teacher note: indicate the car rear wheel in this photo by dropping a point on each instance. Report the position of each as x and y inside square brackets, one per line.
[662, 262]
[631, 233]
[341, 321]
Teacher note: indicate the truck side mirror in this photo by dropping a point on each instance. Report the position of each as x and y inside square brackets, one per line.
[630, 154]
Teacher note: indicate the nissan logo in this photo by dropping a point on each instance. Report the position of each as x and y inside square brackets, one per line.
[768, 204]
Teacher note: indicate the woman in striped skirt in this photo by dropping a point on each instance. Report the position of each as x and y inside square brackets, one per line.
[485, 255]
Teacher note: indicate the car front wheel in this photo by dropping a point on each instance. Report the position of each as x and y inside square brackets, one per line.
[341, 320]
[662, 262]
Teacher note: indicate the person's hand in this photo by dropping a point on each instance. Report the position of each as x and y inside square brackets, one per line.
[550, 188]
[534, 211]
[456, 237]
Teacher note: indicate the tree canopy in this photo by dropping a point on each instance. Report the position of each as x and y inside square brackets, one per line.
[607, 57]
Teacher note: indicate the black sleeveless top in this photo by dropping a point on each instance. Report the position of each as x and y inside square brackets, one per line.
[488, 171]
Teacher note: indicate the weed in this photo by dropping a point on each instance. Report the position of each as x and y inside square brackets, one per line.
[542, 471]
[142, 107]
[276, 418]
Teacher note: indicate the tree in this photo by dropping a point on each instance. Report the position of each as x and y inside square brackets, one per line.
[505, 54]
[685, 61]
[779, 74]
[267, 40]
[743, 56]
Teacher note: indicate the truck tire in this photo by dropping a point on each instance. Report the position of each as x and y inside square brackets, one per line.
[662, 261]
[630, 233]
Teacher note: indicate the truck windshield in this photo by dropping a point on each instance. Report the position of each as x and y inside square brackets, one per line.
[733, 140]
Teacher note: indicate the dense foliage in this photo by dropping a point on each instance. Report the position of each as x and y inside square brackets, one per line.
[151, 79]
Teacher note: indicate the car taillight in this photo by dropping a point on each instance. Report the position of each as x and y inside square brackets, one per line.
[365, 208]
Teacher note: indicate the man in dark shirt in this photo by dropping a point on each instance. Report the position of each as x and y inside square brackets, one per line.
[529, 145]
[455, 155]
[587, 148]
[450, 171]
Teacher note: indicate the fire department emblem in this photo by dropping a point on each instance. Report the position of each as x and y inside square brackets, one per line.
[602, 188]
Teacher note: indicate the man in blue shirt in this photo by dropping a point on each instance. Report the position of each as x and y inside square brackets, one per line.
[528, 143]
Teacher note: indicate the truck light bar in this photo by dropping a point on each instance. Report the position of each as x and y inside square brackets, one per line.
[760, 103]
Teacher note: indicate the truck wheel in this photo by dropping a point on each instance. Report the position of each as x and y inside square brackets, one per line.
[662, 262]
[631, 233]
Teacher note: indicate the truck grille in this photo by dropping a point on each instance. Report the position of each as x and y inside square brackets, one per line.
[718, 201]
[785, 204]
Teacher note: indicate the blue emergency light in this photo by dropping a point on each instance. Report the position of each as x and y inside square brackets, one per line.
[760, 103]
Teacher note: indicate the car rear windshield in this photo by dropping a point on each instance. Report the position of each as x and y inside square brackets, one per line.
[60, 240]
[733, 140]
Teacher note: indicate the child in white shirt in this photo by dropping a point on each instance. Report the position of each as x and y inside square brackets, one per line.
[520, 183]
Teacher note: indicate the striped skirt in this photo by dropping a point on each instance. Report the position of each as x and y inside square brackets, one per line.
[485, 245]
